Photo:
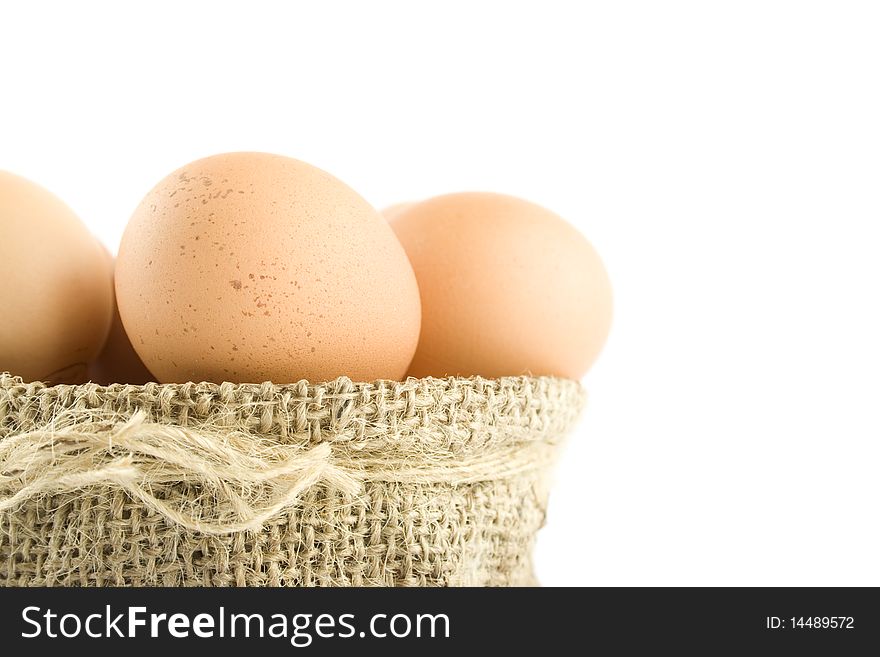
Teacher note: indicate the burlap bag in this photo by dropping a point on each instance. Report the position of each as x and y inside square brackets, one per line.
[426, 482]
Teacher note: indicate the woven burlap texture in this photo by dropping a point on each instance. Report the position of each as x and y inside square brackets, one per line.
[428, 482]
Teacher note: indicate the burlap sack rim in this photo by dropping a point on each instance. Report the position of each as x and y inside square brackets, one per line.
[462, 414]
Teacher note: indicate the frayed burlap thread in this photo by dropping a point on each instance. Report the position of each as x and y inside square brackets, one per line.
[428, 482]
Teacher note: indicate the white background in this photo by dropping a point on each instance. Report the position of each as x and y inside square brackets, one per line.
[723, 157]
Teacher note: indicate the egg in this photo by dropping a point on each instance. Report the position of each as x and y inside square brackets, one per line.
[55, 295]
[118, 362]
[507, 288]
[251, 267]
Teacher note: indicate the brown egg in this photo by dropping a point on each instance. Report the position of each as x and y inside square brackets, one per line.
[118, 362]
[507, 288]
[55, 295]
[249, 267]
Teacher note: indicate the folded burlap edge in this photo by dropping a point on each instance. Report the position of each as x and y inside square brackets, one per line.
[252, 449]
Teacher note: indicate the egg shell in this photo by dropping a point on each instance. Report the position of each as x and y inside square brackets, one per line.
[249, 267]
[507, 288]
[55, 296]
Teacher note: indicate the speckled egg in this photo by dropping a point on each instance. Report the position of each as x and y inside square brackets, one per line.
[251, 267]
